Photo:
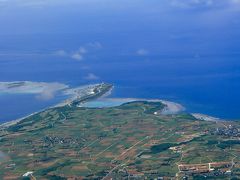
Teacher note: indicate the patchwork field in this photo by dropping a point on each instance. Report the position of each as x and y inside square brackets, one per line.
[126, 142]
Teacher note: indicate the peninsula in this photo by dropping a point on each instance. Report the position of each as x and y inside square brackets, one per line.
[136, 140]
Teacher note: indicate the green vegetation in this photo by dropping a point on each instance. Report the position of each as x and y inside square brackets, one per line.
[161, 147]
[129, 140]
[228, 143]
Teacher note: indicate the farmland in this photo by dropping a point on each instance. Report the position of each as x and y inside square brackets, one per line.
[128, 141]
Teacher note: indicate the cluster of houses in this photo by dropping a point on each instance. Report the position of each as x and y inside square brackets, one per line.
[229, 131]
[207, 170]
[54, 140]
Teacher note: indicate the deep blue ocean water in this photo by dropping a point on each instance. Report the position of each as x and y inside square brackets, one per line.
[207, 84]
[190, 55]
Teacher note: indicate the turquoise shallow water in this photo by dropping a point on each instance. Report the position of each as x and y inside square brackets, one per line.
[102, 103]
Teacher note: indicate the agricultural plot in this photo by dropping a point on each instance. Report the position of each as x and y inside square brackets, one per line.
[129, 141]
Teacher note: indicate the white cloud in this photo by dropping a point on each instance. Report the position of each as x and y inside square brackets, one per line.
[82, 50]
[235, 1]
[80, 53]
[60, 53]
[191, 3]
[204, 3]
[43, 90]
[96, 45]
[142, 52]
[46, 95]
[77, 56]
[91, 76]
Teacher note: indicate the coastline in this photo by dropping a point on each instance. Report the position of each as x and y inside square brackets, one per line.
[76, 96]
[205, 117]
[13, 122]
[170, 107]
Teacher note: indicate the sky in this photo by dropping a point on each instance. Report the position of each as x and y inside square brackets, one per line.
[59, 16]
[140, 27]
[80, 30]
[173, 20]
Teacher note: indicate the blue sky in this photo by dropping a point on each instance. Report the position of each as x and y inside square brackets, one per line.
[137, 27]
[205, 23]
[46, 16]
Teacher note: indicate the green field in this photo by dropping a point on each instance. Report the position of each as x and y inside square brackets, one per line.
[125, 142]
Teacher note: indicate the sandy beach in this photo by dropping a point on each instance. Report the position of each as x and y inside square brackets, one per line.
[204, 117]
[171, 108]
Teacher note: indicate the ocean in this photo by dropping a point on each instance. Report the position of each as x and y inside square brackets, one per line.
[206, 84]
[147, 50]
